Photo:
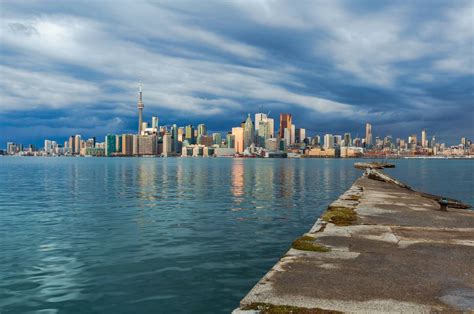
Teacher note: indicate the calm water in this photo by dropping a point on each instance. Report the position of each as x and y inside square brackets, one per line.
[166, 235]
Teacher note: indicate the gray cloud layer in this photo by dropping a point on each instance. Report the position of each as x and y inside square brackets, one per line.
[73, 66]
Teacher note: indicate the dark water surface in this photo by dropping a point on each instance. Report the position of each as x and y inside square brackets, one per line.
[176, 235]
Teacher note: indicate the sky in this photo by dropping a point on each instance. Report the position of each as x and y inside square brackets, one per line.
[73, 67]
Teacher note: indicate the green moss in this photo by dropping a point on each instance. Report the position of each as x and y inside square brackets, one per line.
[340, 216]
[306, 243]
[265, 308]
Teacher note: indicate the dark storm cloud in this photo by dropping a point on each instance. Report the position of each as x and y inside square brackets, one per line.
[73, 67]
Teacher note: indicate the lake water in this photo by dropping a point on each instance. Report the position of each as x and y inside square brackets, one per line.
[176, 235]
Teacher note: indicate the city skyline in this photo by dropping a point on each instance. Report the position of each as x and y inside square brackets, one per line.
[334, 66]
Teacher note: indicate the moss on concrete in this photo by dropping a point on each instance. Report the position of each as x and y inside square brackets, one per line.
[340, 216]
[265, 308]
[306, 243]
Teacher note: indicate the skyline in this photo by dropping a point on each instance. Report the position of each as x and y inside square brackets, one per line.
[73, 69]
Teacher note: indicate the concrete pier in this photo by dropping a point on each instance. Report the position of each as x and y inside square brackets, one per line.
[380, 247]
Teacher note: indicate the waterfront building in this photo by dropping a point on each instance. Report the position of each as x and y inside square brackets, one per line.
[140, 106]
[287, 136]
[285, 122]
[328, 141]
[110, 144]
[189, 134]
[77, 144]
[135, 145]
[238, 134]
[292, 134]
[230, 140]
[347, 139]
[174, 137]
[248, 132]
[224, 152]
[216, 138]
[155, 124]
[167, 144]
[424, 140]
[118, 143]
[272, 144]
[368, 134]
[127, 144]
[147, 145]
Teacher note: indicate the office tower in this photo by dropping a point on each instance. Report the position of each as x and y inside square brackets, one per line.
[48, 146]
[201, 129]
[301, 134]
[110, 144]
[337, 140]
[263, 132]
[147, 145]
[118, 143]
[424, 141]
[181, 134]
[316, 140]
[463, 142]
[292, 134]
[154, 124]
[328, 141]
[248, 132]
[167, 144]
[285, 122]
[230, 139]
[77, 144]
[189, 134]
[238, 134]
[260, 117]
[127, 144]
[216, 138]
[140, 106]
[368, 134]
[135, 144]
[174, 138]
[347, 139]
[287, 136]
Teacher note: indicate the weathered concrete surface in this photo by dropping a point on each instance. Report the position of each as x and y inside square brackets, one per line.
[401, 254]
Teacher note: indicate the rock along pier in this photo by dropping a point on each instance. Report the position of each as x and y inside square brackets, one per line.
[380, 247]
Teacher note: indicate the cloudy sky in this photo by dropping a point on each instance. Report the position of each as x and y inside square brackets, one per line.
[69, 67]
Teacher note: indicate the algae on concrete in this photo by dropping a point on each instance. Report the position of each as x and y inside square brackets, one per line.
[265, 308]
[340, 216]
[306, 243]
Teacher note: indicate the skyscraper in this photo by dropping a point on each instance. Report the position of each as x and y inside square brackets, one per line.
[328, 141]
[238, 134]
[424, 142]
[347, 139]
[259, 117]
[189, 134]
[285, 122]
[140, 106]
[248, 132]
[368, 134]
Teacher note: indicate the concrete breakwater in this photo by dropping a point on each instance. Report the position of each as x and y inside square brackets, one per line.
[380, 247]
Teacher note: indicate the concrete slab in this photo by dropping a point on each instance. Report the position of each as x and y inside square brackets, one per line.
[401, 254]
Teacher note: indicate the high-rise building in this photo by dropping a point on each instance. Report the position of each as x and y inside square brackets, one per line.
[230, 139]
[77, 144]
[189, 134]
[347, 139]
[147, 145]
[155, 124]
[127, 144]
[292, 134]
[328, 141]
[285, 122]
[368, 134]
[424, 141]
[287, 136]
[140, 106]
[110, 144]
[248, 132]
[260, 117]
[167, 144]
[238, 134]
[174, 138]
[216, 138]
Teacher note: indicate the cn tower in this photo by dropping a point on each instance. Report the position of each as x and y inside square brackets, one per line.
[140, 111]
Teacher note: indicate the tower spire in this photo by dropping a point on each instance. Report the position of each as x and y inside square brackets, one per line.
[140, 106]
